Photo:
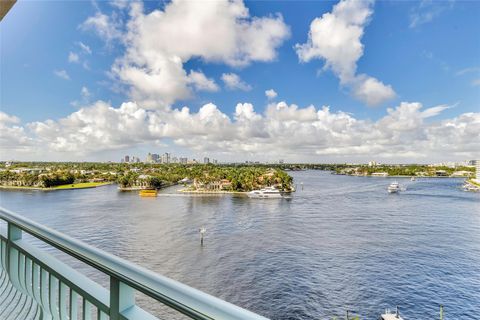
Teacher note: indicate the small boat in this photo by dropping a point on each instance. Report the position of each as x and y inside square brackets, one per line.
[268, 193]
[394, 187]
[412, 179]
[148, 193]
[389, 315]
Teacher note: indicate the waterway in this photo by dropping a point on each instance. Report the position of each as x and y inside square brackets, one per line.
[341, 243]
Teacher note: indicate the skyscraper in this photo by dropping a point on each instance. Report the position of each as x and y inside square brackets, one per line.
[166, 157]
[149, 158]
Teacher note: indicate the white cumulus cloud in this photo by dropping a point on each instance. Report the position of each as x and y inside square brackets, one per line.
[336, 37]
[371, 91]
[201, 82]
[13, 137]
[233, 82]
[159, 43]
[105, 26]
[408, 132]
[271, 94]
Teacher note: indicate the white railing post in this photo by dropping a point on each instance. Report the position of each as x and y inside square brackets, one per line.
[14, 233]
[122, 297]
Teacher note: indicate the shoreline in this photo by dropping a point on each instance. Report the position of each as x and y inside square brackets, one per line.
[399, 176]
[75, 186]
[474, 184]
[218, 192]
[211, 191]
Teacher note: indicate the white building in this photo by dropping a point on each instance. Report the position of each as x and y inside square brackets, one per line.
[149, 158]
[166, 157]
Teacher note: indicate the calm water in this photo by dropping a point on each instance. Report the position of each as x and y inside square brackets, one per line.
[340, 243]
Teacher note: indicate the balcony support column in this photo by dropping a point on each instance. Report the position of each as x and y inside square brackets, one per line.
[14, 233]
[122, 297]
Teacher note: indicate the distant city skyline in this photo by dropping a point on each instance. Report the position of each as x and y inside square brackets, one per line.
[312, 82]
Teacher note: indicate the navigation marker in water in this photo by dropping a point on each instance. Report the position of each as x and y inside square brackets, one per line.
[202, 232]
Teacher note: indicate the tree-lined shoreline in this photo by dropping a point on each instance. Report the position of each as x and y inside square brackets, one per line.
[196, 177]
[209, 177]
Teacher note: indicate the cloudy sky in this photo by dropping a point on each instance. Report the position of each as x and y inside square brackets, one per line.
[392, 81]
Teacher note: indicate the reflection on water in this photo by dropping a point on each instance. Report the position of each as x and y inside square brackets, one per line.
[340, 243]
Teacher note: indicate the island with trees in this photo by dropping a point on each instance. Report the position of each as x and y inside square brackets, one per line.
[196, 177]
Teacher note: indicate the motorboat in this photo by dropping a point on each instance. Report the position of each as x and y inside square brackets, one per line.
[412, 179]
[268, 192]
[394, 187]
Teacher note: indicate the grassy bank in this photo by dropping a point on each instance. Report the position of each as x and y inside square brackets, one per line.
[83, 185]
[473, 182]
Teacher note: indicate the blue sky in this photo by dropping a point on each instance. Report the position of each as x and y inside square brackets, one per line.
[417, 52]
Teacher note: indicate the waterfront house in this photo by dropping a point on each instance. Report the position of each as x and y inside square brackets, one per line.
[225, 184]
[220, 185]
[441, 173]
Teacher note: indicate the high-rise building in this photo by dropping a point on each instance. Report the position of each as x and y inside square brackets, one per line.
[206, 160]
[155, 157]
[149, 158]
[127, 159]
[183, 160]
[165, 157]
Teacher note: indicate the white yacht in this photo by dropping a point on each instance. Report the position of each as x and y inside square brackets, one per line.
[394, 187]
[268, 192]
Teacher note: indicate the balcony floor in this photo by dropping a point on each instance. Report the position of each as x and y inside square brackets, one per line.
[15, 304]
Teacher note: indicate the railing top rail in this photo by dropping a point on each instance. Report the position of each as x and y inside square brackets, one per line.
[185, 299]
